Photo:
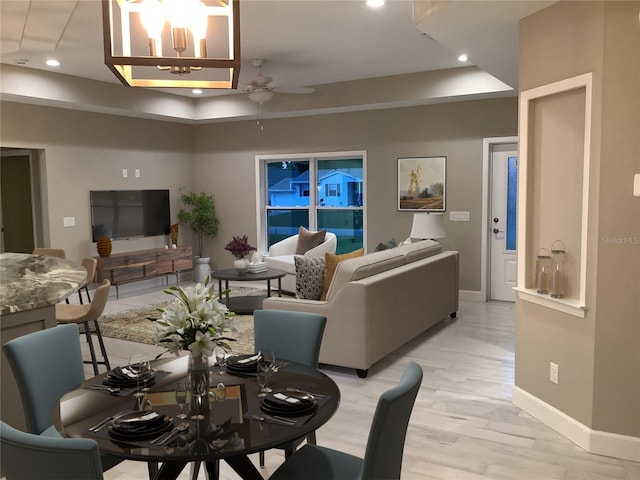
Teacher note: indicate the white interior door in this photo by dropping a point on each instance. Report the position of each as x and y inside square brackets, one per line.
[504, 175]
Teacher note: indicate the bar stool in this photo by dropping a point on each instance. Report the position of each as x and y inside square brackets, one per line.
[83, 314]
[91, 264]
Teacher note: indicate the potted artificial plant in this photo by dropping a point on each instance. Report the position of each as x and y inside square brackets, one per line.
[201, 218]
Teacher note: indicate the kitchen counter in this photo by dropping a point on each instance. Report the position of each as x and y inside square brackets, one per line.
[34, 281]
[30, 288]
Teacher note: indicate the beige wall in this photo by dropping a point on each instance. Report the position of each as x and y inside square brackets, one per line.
[225, 163]
[599, 356]
[88, 151]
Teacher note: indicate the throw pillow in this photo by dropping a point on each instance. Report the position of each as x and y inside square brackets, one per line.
[308, 240]
[309, 277]
[331, 261]
[386, 245]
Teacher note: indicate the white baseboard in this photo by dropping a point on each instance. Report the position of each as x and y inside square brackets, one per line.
[471, 296]
[594, 441]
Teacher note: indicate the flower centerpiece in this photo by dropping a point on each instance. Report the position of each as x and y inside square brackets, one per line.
[195, 322]
[240, 249]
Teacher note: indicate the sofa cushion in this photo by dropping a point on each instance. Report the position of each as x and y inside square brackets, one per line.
[357, 268]
[386, 245]
[282, 262]
[331, 261]
[308, 240]
[309, 277]
[419, 250]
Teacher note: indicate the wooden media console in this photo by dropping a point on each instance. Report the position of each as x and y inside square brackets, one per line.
[128, 267]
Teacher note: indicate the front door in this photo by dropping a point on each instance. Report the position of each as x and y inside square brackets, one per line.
[504, 175]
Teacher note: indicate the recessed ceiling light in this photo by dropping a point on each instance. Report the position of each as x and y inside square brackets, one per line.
[196, 91]
[463, 58]
[375, 3]
[53, 63]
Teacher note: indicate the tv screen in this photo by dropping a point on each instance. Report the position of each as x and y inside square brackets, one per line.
[129, 213]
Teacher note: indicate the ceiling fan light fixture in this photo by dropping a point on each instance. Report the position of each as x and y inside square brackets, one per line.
[169, 43]
[260, 95]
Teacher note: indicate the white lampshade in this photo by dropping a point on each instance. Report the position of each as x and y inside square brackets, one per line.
[427, 225]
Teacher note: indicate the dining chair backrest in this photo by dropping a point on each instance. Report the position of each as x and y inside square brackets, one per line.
[91, 265]
[51, 252]
[385, 446]
[26, 456]
[46, 365]
[293, 336]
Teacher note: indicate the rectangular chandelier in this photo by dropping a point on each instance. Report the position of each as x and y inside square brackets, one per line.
[173, 43]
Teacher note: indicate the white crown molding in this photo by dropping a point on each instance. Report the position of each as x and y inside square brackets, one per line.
[38, 87]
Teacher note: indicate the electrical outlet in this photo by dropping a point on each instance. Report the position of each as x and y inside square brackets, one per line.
[137, 173]
[553, 372]
[125, 174]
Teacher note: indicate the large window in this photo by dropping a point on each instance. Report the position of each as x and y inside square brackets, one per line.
[288, 201]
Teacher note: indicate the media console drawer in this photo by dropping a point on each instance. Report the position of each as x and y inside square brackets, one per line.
[143, 264]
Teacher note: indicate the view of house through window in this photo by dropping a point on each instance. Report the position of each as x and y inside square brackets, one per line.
[336, 203]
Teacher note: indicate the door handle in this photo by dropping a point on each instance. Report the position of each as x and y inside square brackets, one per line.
[496, 231]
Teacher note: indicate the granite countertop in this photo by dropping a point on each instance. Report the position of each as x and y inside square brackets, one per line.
[35, 281]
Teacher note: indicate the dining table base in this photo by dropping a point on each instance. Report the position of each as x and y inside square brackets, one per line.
[240, 464]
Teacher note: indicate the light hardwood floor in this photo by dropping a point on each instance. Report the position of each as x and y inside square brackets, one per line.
[463, 426]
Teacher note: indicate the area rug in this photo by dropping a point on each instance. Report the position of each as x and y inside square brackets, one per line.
[134, 324]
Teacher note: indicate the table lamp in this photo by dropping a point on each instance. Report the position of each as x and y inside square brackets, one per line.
[427, 226]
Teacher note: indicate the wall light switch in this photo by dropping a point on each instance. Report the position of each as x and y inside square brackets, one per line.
[137, 173]
[636, 185]
[69, 221]
[459, 216]
[125, 174]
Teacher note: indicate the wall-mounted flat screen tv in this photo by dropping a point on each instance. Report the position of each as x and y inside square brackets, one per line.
[129, 213]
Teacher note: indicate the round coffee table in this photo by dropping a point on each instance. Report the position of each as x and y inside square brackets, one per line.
[245, 305]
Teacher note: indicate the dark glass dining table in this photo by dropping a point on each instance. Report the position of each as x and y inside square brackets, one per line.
[230, 432]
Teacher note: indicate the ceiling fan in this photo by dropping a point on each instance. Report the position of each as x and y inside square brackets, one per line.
[261, 89]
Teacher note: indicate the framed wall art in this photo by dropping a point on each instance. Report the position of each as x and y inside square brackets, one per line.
[422, 184]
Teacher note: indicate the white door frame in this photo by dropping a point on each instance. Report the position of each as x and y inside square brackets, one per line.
[485, 225]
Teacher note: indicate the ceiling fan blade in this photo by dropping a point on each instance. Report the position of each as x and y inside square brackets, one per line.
[294, 90]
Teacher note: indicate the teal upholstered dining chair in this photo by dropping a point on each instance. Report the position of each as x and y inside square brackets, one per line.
[385, 446]
[46, 365]
[293, 336]
[26, 456]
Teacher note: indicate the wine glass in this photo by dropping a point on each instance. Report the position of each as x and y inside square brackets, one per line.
[221, 359]
[221, 391]
[265, 364]
[181, 397]
[263, 380]
[138, 365]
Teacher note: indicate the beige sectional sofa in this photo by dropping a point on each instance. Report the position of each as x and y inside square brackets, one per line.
[380, 301]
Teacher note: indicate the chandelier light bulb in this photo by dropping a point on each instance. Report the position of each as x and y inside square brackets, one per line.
[178, 12]
[152, 18]
[198, 21]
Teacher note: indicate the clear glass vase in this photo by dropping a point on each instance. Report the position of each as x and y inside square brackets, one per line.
[198, 384]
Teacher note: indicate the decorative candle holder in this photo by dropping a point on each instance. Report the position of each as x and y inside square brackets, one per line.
[558, 274]
[543, 268]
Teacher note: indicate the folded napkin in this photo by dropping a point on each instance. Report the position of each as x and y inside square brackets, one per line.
[243, 364]
[140, 425]
[123, 377]
[285, 403]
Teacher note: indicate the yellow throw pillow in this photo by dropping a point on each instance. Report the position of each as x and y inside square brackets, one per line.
[331, 261]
